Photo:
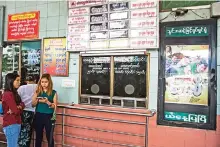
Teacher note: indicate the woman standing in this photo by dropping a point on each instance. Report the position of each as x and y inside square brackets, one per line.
[12, 108]
[45, 100]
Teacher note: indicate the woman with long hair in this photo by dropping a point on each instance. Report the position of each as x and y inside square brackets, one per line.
[45, 100]
[12, 108]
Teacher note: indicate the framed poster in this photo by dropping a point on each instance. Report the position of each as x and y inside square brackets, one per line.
[187, 79]
[55, 57]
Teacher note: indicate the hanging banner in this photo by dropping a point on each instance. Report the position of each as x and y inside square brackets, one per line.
[23, 26]
[187, 74]
[55, 57]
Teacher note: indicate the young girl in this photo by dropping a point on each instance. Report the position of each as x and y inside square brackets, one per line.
[12, 108]
[45, 100]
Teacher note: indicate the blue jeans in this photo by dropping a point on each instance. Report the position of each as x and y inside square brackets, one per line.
[12, 133]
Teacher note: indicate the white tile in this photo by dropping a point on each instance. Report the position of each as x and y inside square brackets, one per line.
[43, 24]
[5, 37]
[63, 8]
[152, 102]
[153, 53]
[10, 4]
[6, 26]
[73, 65]
[42, 34]
[52, 23]
[2, 3]
[63, 22]
[9, 11]
[62, 33]
[153, 83]
[31, 3]
[31, 8]
[53, 9]
[52, 33]
[218, 109]
[19, 4]
[218, 22]
[153, 66]
[20, 10]
[43, 10]
[218, 36]
[74, 55]
[218, 55]
[39, 2]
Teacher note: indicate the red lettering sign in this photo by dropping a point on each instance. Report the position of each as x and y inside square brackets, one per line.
[23, 26]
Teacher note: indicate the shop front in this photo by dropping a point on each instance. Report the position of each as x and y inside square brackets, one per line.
[118, 64]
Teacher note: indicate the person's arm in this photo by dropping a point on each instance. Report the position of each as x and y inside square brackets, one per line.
[35, 100]
[54, 104]
[9, 100]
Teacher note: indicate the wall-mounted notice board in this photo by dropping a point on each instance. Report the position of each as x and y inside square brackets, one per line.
[55, 58]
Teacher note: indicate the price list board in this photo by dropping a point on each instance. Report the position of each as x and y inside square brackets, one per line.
[55, 57]
[111, 24]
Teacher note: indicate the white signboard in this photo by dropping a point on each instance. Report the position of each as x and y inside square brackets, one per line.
[119, 43]
[79, 3]
[68, 83]
[78, 45]
[78, 37]
[142, 23]
[144, 33]
[143, 43]
[99, 44]
[113, 24]
[78, 29]
[79, 11]
[78, 19]
[136, 4]
[144, 13]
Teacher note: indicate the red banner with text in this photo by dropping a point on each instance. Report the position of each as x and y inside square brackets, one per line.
[23, 26]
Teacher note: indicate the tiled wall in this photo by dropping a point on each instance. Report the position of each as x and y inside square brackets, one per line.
[53, 15]
[53, 23]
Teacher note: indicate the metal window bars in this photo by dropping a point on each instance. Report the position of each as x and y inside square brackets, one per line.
[63, 135]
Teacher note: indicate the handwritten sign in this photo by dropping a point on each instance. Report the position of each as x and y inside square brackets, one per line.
[144, 23]
[77, 3]
[143, 42]
[187, 31]
[79, 11]
[23, 26]
[78, 29]
[144, 33]
[78, 45]
[185, 117]
[144, 13]
[78, 19]
[143, 4]
[55, 57]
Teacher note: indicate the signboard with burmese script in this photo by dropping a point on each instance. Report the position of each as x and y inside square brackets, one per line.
[23, 26]
[107, 21]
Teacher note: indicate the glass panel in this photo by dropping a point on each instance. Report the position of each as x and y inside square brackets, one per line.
[10, 60]
[30, 60]
[130, 76]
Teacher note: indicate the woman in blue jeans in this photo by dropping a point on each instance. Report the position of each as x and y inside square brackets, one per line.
[12, 109]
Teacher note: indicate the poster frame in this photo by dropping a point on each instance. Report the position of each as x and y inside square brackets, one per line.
[42, 57]
[209, 110]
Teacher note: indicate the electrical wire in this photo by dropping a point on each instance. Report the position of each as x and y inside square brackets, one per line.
[166, 16]
[197, 14]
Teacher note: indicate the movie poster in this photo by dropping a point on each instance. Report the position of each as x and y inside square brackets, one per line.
[186, 74]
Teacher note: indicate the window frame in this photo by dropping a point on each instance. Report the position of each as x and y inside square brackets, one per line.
[111, 96]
